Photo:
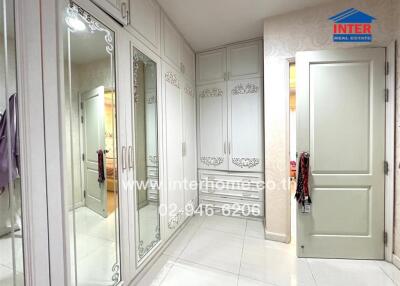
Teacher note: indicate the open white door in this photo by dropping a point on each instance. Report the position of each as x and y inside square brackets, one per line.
[341, 123]
[94, 140]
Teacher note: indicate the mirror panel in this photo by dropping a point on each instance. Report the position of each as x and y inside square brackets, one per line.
[11, 225]
[90, 149]
[146, 153]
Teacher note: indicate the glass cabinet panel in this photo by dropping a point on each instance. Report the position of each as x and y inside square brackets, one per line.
[11, 226]
[146, 153]
[90, 148]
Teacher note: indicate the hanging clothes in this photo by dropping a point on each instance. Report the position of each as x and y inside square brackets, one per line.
[302, 191]
[100, 162]
[14, 165]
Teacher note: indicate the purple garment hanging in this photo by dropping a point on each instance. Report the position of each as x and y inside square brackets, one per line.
[14, 164]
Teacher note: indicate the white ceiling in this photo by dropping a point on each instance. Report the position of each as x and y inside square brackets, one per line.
[210, 23]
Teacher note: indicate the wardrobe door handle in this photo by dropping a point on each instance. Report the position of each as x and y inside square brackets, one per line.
[130, 158]
[225, 148]
[123, 157]
[124, 10]
[229, 148]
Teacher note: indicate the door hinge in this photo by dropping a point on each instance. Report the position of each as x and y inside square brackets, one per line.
[387, 95]
[83, 157]
[84, 194]
[387, 68]
[81, 105]
[385, 238]
[81, 119]
[386, 167]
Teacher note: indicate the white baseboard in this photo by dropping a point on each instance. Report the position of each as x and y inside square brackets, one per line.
[280, 237]
[396, 261]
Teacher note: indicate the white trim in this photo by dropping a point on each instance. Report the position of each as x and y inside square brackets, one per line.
[32, 147]
[53, 138]
[280, 237]
[390, 149]
[396, 260]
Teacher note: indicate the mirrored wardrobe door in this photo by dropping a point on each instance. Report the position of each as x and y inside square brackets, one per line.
[146, 154]
[91, 153]
[11, 225]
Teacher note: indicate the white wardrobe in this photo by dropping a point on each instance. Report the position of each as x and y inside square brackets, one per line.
[230, 127]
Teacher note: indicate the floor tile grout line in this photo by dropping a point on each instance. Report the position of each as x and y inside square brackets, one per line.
[189, 239]
[241, 254]
[311, 271]
[258, 280]
[386, 274]
[207, 266]
[168, 271]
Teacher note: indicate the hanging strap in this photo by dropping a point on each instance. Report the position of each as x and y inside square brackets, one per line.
[302, 191]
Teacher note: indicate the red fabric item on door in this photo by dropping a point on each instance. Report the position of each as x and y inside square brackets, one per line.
[100, 161]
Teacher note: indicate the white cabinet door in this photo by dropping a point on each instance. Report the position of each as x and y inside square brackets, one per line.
[171, 43]
[145, 19]
[118, 9]
[189, 136]
[245, 113]
[212, 126]
[188, 61]
[211, 66]
[245, 60]
[173, 150]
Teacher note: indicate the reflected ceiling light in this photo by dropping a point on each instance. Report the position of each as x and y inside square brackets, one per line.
[74, 23]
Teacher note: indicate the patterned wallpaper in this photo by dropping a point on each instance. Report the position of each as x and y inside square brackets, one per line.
[284, 35]
[396, 24]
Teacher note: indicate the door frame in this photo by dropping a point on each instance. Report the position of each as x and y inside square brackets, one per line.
[390, 127]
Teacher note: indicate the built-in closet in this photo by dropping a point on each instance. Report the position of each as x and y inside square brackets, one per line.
[230, 128]
[173, 124]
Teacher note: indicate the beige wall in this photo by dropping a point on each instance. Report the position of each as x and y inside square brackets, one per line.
[284, 35]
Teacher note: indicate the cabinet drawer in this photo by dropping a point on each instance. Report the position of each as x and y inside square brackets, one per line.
[241, 207]
[256, 195]
[152, 173]
[246, 179]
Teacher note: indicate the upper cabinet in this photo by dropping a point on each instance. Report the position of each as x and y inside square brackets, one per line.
[188, 62]
[244, 60]
[171, 43]
[118, 9]
[211, 66]
[235, 62]
[145, 22]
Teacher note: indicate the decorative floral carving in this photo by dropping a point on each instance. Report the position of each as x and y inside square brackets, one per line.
[250, 88]
[212, 161]
[188, 91]
[153, 159]
[116, 274]
[143, 250]
[74, 11]
[174, 221]
[172, 79]
[246, 162]
[151, 100]
[207, 92]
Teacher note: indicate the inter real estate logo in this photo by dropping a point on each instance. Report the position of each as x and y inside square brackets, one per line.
[352, 25]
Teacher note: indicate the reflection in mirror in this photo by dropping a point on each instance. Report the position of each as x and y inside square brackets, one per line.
[11, 246]
[146, 153]
[90, 149]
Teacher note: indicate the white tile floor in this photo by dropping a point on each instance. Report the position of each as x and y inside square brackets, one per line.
[6, 263]
[95, 247]
[231, 251]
